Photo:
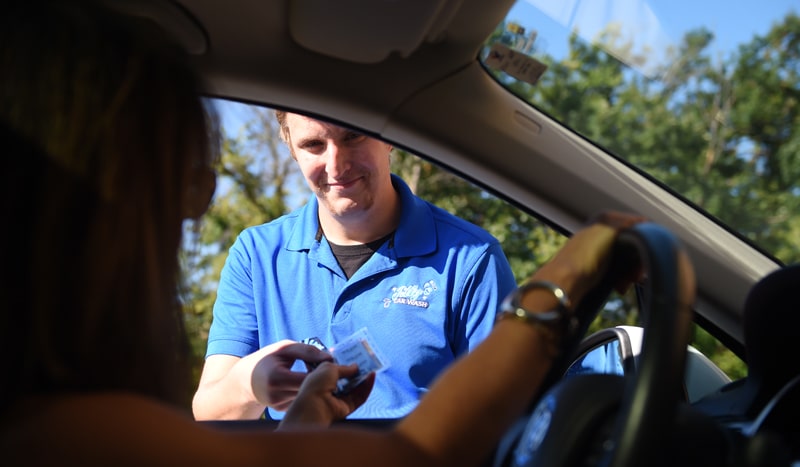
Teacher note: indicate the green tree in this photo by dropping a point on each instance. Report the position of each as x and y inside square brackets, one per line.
[526, 241]
[723, 132]
[766, 135]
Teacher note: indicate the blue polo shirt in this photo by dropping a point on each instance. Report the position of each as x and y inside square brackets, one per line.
[426, 296]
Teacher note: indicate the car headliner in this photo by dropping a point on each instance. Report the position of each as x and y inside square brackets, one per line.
[431, 95]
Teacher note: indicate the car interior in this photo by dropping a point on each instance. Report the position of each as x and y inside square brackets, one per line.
[429, 77]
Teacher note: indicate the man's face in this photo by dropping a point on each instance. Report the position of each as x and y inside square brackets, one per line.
[346, 170]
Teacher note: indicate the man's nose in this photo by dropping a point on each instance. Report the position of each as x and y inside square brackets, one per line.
[338, 159]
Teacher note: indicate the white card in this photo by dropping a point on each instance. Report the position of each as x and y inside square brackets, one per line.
[358, 348]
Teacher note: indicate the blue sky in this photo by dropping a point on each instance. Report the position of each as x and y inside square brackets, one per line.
[652, 25]
[732, 21]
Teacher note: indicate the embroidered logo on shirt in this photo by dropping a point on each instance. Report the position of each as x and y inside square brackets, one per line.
[413, 295]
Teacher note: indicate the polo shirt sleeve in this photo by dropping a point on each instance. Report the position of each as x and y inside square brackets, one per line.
[234, 327]
[485, 285]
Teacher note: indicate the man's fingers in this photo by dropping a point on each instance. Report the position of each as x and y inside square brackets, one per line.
[286, 378]
[305, 352]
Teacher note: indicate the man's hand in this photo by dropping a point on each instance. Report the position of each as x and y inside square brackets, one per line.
[233, 388]
[274, 384]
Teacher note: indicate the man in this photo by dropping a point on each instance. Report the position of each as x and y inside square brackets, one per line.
[364, 252]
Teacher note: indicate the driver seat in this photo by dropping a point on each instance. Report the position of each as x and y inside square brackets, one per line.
[771, 331]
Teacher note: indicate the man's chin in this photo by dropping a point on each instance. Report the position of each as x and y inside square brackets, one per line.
[344, 207]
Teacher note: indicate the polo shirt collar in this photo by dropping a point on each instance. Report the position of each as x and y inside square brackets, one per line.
[415, 235]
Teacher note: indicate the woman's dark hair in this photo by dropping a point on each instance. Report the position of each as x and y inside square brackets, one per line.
[109, 147]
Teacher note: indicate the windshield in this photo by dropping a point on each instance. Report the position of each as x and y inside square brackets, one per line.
[702, 96]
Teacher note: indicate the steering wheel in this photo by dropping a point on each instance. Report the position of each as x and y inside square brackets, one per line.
[607, 419]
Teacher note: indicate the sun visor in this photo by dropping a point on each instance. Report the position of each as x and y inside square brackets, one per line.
[368, 31]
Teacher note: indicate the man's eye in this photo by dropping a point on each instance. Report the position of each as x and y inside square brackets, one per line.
[311, 145]
[355, 137]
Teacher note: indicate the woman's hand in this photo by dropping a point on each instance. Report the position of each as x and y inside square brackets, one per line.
[316, 404]
[584, 259]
